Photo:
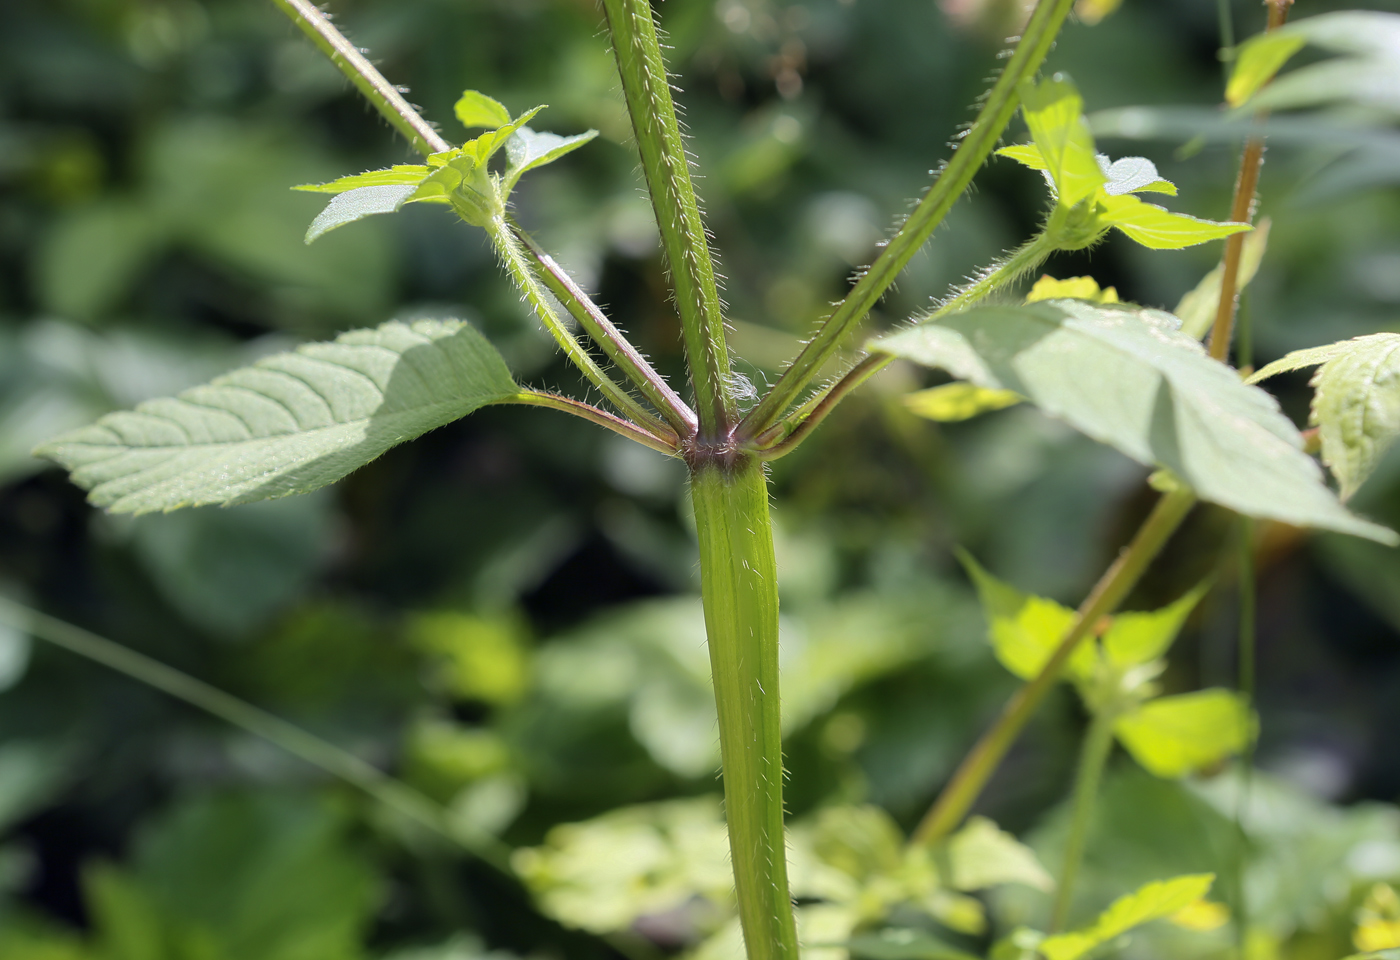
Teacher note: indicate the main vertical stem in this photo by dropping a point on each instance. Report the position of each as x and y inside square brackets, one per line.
[739, 586]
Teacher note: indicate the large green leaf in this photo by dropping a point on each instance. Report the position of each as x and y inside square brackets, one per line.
[1172, 736]
[1356, 402]
[1158, 899]
[1127, 377]
[289, 423]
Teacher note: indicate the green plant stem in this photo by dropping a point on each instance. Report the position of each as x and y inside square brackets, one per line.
[739, 588]
[647, 89]
[347, 57]
[981, 762]
[785, 435]
[1246, 684]
[322, 754]
[652, 385]
[1098, 744]
[512, 256]
[553, 401]
[972, 150]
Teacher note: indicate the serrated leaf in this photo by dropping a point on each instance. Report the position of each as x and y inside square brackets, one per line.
[1054, 112]
[357, 204]
[1126, 377]
[1131, 174]
[401, 173]
[1072, 288]
[952, 402]
[1136, 638]
[289, 423]
[1256, 62]
[476, 109]
[980, 855]
[1026, 154]
[1174, 736]
[1197, 308]
[527, 150]
[1160, 229]
[1024, 630]
[1158, 899]
[1356, 402]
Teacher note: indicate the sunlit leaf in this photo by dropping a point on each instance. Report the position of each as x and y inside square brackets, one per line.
[475, 109]
[958, 401]
[1136, 638]
[1158, 899]
[980, 856]
[1160, 229]
[1072, 288]
[526, 150]
[1356, 403]
[1257, 60]
[1092, 11]
[1024, 630]
[1027, 154]
[357, 204]
[1054, 112]
[1367, 76]
[1126, 377]
[1197, 309]
[396, 175]
[288, 424]
[1131, 174]
[1173, 736]
[1201, 915]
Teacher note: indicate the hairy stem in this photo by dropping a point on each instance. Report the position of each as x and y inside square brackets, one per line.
[393, 794]
[647, 88]
[1242, 211]
[971, 152]
[513, 257]
[652, 385]
[385, 97]
[981, 762]
[1098, 744]
[739, 587]
[785, 435]
[553, 401]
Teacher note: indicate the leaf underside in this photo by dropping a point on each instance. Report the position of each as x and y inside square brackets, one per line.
[1127, 377]
[289, 423]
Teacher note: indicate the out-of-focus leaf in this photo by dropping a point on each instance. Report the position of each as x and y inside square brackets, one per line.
[289, 423]
[1356, 401]
[128, 924]
[1125, 376]
[1159, 899]
[475, 109]
[1197, 309]
[30, 772]
[981, 856]
[461, 947]
[1173, 736]
[898, 943]
[1092, 11]
[479, 658]
[1368, 76]
[1025, 630]
[91, 257]
[1141, 637]
[1202, 915]
[1256, 62]
[1160, 229]
[952, 402]
[1071, 288]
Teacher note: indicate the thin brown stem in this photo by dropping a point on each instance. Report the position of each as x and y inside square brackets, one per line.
[1242, 211]
[668, 445]
[981, 762]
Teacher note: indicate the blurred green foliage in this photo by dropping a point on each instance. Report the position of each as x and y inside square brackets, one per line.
[503, 613]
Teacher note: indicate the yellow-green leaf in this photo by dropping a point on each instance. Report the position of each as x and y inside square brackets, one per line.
[980, 855]
[1024, 629]
[1160, 229]
[1072, 288]
[402, 173]
[959, 401]
[1137, 638]
[1173, 736]
[475, 109]
[1256, 62]
[1092, 11]
[1026, 154]
[1158, 899]
[1054, 112]
[1197, 308]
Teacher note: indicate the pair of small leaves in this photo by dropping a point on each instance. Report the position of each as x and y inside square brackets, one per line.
[1356, 401]
[458, 177]
[1063, 149]
[1169, 736]
[1155, 900]
[1369, 75]
[289, 423]
[1127, 377]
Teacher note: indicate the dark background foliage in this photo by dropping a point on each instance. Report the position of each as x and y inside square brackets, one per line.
[500, 612]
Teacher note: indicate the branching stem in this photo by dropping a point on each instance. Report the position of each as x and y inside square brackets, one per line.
[539, 398]
[1000, 105]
